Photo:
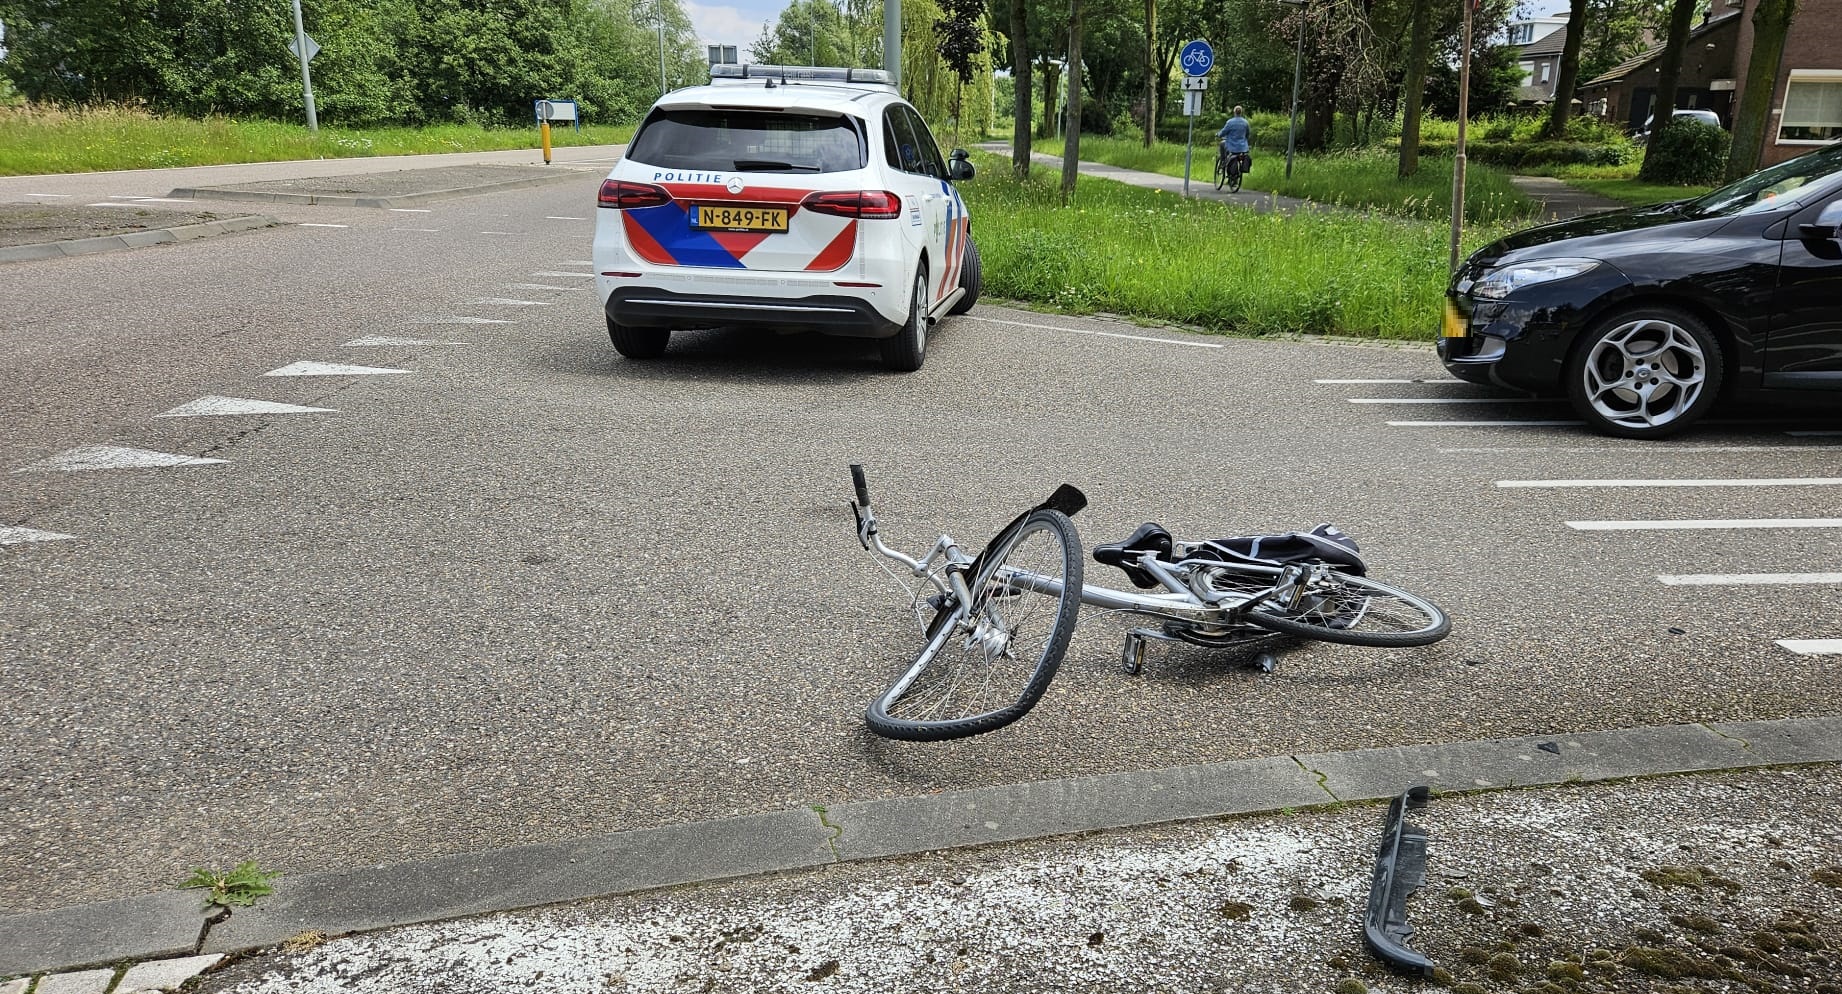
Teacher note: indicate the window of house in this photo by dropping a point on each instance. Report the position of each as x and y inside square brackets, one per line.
[1812, 107]
[1546, 67]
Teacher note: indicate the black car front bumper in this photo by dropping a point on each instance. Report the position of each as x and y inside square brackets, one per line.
[1523, 342]
[847, 317]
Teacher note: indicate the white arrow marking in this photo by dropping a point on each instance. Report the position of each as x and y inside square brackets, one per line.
[13, 536]
[331, 369]
[509, 302]
[371, 340]
[215, 406]
[88, 457]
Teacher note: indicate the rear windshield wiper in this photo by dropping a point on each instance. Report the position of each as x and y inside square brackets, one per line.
[765, 165]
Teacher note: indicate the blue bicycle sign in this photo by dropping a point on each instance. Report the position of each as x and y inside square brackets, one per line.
[1198, 58]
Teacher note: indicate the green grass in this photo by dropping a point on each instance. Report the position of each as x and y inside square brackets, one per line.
[1619, 183]
[37, 140]
[1358, 178]
[1140, 252]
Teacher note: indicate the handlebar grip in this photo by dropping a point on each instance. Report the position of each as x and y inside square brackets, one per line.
[863, 489]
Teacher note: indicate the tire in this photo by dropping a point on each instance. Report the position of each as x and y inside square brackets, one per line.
[906, 350]
[986, 664]
[1649, 372]
[1234, 174]
[1221, 170]
[971, 277]
[638, 343]
[1356, 610]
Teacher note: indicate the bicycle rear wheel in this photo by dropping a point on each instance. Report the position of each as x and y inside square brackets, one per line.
[1355, 610]
[988, 662]
[1234, 174]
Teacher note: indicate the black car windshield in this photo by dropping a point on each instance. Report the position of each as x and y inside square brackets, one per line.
[1767, 189]
[749, 141]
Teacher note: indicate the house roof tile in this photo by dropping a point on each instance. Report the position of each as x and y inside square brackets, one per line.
[1618, 72]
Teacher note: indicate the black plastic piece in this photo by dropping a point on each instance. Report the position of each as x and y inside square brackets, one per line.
[1400, 869]
[863, 489]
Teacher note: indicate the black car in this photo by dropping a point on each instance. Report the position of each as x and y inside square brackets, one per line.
[1644, 318]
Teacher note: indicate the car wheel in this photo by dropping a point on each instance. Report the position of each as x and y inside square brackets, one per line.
[638, 343]
[972, 278]
[1645, 373]
[907, 349]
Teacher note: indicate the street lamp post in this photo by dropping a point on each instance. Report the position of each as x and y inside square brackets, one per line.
[1298, 68]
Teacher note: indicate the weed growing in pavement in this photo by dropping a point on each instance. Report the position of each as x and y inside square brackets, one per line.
[238, 888]
[1143, 253]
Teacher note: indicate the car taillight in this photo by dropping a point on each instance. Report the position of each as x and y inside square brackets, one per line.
[622, 195]
[855, 203]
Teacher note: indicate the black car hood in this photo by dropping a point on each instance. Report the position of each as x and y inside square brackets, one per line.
[1595, 236]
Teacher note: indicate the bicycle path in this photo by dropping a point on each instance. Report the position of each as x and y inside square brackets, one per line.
[1559, 202]
[1200, 187]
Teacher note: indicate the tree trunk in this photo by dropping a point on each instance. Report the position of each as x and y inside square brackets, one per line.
[1151, 72]
[1071, 147]
[1052, 80]
[1413, 89]
[1663, 108]
[1570, 71]
[1020, 88]
[1771, 24]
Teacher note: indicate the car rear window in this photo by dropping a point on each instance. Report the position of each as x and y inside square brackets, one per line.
[749, 141]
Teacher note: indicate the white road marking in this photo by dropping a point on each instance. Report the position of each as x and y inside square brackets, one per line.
[110, 203]
[510, 302]
[1684, 525]
[215, 406]
[14, 535]
[1648, 448]
[1365, 382]
[542, 286]
[1747, 579]
[312, 224]
[90, 457]
[555, 273]
[331, 369]
[1449, 400]
[60, 196]
[426, 230]
[1813, 647]
[459, 321]
[1102, 334]
[1809, 481]
[377, 340]
[559, 217]
[1482, 424]
[161, 200]
[500, 232]
[576, 262]
[410, 210]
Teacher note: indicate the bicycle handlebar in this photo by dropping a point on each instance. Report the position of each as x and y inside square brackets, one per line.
[863, 489]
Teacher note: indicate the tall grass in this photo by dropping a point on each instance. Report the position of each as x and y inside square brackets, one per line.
[1141, 252]
[1362, 178]
[37, 139]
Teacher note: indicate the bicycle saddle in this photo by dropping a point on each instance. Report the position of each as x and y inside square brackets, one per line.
[1150, 537]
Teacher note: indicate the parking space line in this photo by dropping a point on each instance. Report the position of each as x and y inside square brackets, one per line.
[1813, 647]
[460, 320]
[59, 196]
[1450, 400]
[1484, 424]
[510, 302]
[1708, 523]
[500, 232]
[1748, 579]
[1102, 334]
[85, 458]
[427, 230]
[15, 535]
[1809, 481]
[375, 341]
[557, 272]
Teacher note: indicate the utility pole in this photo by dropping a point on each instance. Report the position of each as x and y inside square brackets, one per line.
[892, 40]
[1458, 157]
[300, 48]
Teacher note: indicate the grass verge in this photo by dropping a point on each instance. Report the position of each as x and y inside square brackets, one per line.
[38, 140]
[1144, 253]
[1359, 178]
[1618, 182]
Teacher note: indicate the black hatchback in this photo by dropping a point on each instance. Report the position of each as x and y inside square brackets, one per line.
[1644, 318]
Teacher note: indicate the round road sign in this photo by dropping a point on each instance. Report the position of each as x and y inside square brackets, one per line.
[1198, 58]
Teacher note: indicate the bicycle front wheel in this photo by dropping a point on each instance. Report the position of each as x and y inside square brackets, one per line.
[1355, 610]
[1221, 171]
[986, 663]
[1234, 176]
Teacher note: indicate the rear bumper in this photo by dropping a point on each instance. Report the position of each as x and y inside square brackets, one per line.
[846, 317]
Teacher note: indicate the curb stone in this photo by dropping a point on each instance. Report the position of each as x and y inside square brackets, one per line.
[371, 898]
[404, 200]
[134, 239]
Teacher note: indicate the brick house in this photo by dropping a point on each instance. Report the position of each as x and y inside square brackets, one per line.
[1807, 93]
[1540, 61]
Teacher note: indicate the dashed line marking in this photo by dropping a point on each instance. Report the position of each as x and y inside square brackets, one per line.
[1813, 647]
[1484, 424]
[1102, 334]
[215, 406]
[500, 232]
[314, 224]
[460, 320]
[410, 210]
[425, 230]
[16, 535]
[541, 286]
[1748, 579]
[1812, 481]
[85, 458]
[558, 272]
[58, 196]
[1708, 523]
[560, 217]
[510, 302]
[371, 341]
[332, 369]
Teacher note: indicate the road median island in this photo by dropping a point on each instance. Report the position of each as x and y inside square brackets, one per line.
[400, 188]
[41, 231]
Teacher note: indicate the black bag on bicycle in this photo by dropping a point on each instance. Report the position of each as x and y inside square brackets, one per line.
[1325, 543]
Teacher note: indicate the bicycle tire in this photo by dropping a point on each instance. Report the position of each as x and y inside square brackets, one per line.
[1221, 171]
[963, 681]
[1358, 610]
[1234, 176]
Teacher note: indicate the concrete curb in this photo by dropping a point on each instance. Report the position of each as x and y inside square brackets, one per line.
[230, 193]
[133, 239]
[370, 898]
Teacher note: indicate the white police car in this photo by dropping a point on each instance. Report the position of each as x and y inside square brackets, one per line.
[785, 197]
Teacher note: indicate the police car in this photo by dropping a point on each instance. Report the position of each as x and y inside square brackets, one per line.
[785, 198]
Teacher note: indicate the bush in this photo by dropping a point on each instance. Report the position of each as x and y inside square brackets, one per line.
[1687, 152]
[1517, 154]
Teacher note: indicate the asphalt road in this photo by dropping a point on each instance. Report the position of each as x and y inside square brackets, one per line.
[528, 590]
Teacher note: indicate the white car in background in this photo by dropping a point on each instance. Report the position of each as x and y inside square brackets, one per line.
[785, 198]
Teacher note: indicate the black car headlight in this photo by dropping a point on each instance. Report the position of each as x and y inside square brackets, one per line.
[1505, 280]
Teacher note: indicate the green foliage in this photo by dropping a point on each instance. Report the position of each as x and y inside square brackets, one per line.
[1687, 151]
[1130, 250]
[1495, 75]
[239, 888]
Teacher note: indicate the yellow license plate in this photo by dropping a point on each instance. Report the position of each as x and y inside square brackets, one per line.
[1454, 325]
[741, 218]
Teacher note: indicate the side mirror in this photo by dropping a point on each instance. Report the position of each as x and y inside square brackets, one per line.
[1816, 232]
[959, 165]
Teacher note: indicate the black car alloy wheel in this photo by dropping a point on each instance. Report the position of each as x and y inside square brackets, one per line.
[1647, 372]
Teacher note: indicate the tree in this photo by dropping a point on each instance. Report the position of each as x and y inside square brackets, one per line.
[961, 30]
[1071, 147]
[1615, 30]
[1570, 71]
[1669, 71]
[1020, 82]
[1771, 23]
[1413, 88]
[1151, 72]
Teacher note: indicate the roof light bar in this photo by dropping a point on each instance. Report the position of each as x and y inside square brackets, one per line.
[815, 74]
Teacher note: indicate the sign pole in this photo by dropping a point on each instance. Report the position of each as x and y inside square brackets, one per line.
[1197, 59]
[300, 47]
[1458, 157]
[1189, 148]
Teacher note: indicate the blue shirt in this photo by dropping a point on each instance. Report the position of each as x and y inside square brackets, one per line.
[1235, 133]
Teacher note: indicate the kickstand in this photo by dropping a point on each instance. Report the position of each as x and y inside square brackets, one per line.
[1267, 662]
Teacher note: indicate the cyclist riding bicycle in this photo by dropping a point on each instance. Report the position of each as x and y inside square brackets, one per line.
[1236, 138]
